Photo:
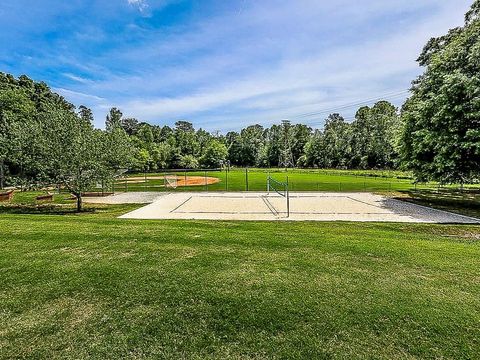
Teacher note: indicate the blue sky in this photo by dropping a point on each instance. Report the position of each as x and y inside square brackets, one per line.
[223, 64]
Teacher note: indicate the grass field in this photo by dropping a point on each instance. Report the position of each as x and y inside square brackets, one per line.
[299, 180]
[94, 286]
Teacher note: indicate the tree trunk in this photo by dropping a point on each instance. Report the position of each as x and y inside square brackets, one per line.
[79, 202]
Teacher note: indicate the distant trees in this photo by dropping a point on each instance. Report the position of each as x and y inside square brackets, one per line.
[214, 154]
[45, 139]
[368, 142]
[374, 135]
[440, 139]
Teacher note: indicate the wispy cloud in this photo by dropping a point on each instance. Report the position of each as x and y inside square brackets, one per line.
[223, 65]
[142, 5]
[76, 78]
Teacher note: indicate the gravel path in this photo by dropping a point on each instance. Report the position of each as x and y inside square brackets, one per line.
[126, 198]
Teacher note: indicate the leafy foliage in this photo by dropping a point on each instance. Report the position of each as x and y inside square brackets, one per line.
[441, 133]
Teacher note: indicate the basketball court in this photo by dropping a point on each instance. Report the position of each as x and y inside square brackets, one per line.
[298, 206]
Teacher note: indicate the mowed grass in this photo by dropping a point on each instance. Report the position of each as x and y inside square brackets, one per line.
[299, 180]
[94, 286]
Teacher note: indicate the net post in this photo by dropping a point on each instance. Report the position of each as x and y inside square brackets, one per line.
[268, 185]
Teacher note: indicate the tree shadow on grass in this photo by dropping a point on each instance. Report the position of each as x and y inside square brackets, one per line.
[466, 202]
[43, 209]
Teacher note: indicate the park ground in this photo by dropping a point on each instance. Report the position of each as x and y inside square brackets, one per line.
[91, 285]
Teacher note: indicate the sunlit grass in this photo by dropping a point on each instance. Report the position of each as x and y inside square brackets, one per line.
[94, 286]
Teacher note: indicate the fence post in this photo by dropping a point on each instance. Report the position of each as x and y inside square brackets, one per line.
[144, 178]
[288, 200]
[2, 175]
[246, 178]
[206, 184]
[226, 179]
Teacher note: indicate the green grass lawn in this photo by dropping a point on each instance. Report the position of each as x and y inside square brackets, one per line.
[299, 180]
[94, 286]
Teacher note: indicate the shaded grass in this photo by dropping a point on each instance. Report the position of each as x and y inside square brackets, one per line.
[466, 202]
[93, 286]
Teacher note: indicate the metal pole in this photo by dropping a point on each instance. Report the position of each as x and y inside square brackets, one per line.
[206, 184]
[226, 178]
[246, 178]
[288, 201]
[2, 175]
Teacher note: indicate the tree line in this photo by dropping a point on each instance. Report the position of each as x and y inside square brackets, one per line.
[365, 143]
[44, 139]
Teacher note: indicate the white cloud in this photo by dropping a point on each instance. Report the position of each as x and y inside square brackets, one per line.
[271, 60]
[300, 85]
[76, 78]
[142, 5]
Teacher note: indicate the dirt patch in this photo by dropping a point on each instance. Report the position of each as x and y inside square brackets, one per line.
[181, 180]
[196, 180]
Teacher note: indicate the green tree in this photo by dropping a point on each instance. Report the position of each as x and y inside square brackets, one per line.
[15, 108]
[85, 113]
[300, 136]
[374, 134]
[73, 152]
[113, 119]
[337, 142]
[188, 162]
[185, 138]
[315, 151]
[440, 138]
[215, 153]
[251, 141]
[130, 125]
